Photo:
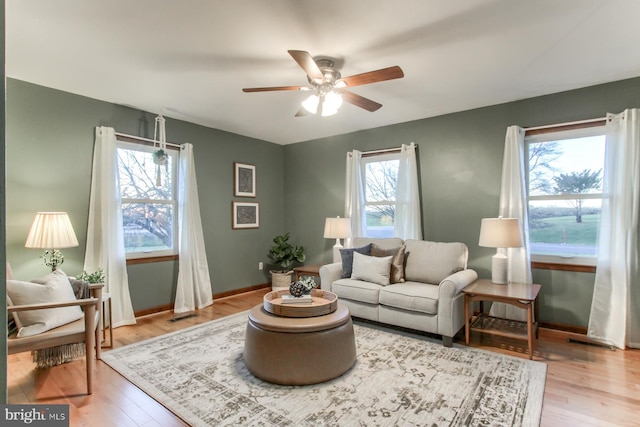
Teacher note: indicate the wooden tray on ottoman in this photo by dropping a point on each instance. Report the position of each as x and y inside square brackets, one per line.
[324, 302]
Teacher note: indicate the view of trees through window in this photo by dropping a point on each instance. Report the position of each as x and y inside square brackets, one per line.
[565, 195]
[381, 178]
[148, 201]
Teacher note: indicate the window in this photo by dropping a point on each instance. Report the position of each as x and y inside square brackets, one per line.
[565, 194]
[381, 181]
[149, 201]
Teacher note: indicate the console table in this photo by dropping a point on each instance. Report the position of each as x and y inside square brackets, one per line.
[518, 294]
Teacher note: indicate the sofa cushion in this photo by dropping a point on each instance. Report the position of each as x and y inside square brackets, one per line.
[347, 258]
[411, 296]
[396, 274]
[371, 268]
[431, 262]
[385, 243]
[55, 288]
[357, 290]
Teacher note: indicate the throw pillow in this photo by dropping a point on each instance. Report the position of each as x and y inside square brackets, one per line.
[347, 258]
[371, 269]
[55, 287]
[397, 262]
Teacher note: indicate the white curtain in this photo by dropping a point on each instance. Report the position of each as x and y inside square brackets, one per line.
[513, 204]
[408, 221]
[194, 284]
[615, 309]
[105, 236]
[354, 195]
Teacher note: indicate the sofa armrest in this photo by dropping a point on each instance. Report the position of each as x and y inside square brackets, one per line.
[329, 273]
[454, 284]
[451, 301]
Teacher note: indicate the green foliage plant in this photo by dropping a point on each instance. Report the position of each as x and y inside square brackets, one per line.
[284, 254]
[95, 277]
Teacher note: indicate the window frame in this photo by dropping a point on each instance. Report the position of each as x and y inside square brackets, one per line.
[148, 147]
[551, 134]
[378, 158]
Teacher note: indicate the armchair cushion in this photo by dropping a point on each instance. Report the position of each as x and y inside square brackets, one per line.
[55, 288]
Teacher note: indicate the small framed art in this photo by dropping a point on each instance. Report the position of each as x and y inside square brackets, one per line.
[244, 180]
[245, 215]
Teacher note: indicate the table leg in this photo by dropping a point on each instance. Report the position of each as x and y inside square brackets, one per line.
[466, 319]
[536, 315]
[530, 328]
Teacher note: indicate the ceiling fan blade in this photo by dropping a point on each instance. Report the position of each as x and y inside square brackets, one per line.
[360, 101]
[389, 73]
[307, 63]
[267, 89]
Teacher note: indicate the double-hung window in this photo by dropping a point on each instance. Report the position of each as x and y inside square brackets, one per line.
[565, 194]
[149, 200]
[381, 182]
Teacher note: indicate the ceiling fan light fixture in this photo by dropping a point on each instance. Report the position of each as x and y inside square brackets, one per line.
[330, 106]
[332, 103]
[311, 104]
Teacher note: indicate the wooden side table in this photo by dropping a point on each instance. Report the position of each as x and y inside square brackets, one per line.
[308, 270]
[106, 314]
[518, 294]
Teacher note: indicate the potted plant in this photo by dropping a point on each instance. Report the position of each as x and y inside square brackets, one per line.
[95, 277]
[284, 254]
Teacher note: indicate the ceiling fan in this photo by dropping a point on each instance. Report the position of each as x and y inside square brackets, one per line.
[329, 87]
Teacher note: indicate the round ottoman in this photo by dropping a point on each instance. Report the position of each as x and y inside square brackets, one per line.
[299, 351]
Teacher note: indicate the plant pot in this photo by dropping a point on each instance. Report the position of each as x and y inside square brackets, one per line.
[280, 280]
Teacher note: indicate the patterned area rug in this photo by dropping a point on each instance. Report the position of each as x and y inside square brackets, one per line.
[399, 379]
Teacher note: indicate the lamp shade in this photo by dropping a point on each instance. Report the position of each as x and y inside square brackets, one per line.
[51, 230]
[337, 228]
[500, 233]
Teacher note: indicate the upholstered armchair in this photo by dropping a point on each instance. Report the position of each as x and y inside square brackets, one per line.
[49, 317]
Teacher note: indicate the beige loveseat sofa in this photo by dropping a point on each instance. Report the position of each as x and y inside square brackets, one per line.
[428, 298]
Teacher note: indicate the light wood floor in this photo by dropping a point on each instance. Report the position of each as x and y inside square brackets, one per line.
[586, 385]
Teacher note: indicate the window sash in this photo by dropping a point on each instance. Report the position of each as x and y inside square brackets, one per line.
[378, 158]
[173, 202]
[588, 131]
[569, 196]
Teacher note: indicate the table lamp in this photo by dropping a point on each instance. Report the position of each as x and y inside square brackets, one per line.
[500, 233]
[51, 231]
[337, 228]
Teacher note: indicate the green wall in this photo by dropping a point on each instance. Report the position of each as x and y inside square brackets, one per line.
[49, 150]
[460, 162]
[50, 137]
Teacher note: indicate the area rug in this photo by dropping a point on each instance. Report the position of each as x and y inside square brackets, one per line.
[399, 379]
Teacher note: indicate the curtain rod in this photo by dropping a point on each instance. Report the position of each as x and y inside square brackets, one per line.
[139, 138]
[384, 150]
[559, 125]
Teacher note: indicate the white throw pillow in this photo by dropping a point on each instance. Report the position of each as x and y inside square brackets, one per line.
[55, 287]
[371, 268]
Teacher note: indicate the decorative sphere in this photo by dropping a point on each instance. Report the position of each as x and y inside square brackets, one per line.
[296, 289]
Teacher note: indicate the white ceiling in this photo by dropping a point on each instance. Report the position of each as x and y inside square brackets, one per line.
[190, 59]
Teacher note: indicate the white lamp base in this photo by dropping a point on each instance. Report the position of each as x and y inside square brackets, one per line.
[336, 251]
[499, 264]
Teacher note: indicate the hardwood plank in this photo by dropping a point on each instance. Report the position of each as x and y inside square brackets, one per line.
[586, 385]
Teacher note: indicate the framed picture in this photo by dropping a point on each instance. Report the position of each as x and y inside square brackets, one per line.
[244, 180]
[245, 215]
